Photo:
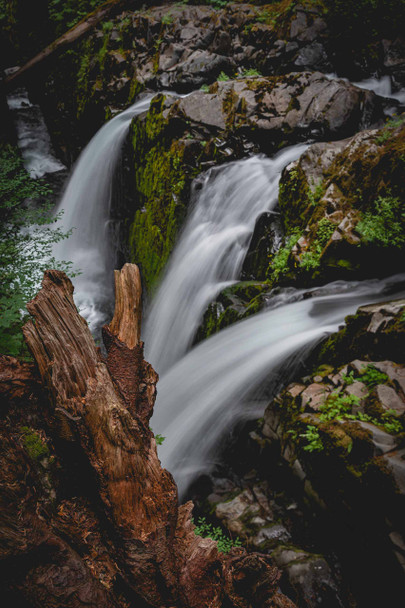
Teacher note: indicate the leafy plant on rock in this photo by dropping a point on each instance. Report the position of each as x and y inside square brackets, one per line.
[384, 224]
[206, 530]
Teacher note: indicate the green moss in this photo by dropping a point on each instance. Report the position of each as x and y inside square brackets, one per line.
[34, 445]
[162, 184]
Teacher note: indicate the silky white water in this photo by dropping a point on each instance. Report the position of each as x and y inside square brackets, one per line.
[210, 251]
[86, 206]
[32, 135]
[204, 394]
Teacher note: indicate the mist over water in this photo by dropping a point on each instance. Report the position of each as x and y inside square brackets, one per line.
[210, 251]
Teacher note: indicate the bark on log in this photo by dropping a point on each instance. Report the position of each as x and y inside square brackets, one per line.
[66, 40]
[149, 542]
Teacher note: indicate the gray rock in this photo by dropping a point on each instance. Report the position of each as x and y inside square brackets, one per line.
[389, 399]
[271, 536]
[396, 462]
[383, 442]
[314, 396]
[358, 389]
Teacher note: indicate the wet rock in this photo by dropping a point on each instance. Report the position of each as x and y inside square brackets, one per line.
[383, 442]
[314, 396]
[389, 399]
[271, 535]
[358, 389]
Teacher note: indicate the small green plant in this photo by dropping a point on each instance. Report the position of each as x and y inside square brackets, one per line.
[338, 407]
[371, 376]
[167, 19]
[348, 378]
[279, 263]
[311, 259]
[386, 132]
[313, 439]
[384, 224]
[223, 77]
[205, 88]
[206, 530]
[107, 26]
[250, 72]
[218, 4]
[159, 439]
[264, 16]
[315, 193]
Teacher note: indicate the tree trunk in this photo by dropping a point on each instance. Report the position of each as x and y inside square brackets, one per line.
[139, 535]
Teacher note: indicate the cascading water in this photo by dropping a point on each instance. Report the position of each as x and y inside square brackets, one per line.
[86, 205]
[32, 134]
[211, 250]
[204, 394]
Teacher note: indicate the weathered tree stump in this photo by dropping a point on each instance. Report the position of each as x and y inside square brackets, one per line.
[105, 406]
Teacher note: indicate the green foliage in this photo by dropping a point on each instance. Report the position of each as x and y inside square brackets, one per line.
[167, 19]
[348, 378]
[67, 13]
[384, 225]
[339, 406]
[159, 439]
[279, 264]
[223, 77]
[206, 530]
[217, 4]
[107, 26]
[26, 241]
[205, 88]
[311, 259]
[315, 194]
[251, 72]
[313, 439]
[371, 376]
[392, 123]
[34, 445]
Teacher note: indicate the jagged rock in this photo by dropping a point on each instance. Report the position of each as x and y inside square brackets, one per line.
[314, 396]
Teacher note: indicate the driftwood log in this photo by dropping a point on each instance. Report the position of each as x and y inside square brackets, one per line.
[110, 531]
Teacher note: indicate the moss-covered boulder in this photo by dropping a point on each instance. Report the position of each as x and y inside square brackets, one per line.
[342, 207]
[178, 138]
[341, 429]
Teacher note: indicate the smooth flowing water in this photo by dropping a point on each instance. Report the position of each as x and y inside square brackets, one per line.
[210, 251]
[86, 205]
[205, 394]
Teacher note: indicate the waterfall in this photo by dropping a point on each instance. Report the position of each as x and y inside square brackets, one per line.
[205, 393]
[86, 205]
[210, 250]
[32, 135]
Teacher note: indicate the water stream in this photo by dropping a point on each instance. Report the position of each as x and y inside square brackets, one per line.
[205, 393]
[32, 135]
[211, 249]
[86, 205]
